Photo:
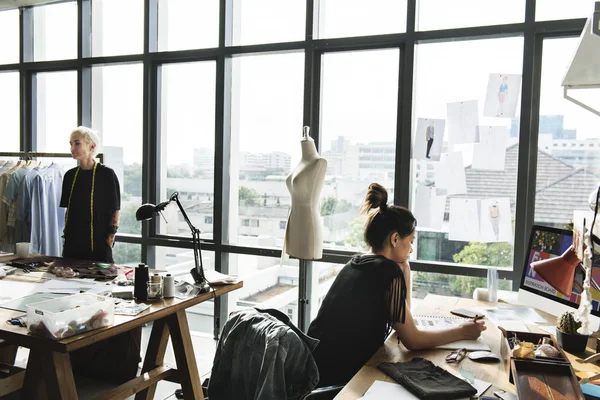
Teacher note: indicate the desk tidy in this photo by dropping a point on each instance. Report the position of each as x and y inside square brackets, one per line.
[538, 367]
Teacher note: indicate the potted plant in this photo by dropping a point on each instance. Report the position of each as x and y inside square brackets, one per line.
[567, 336]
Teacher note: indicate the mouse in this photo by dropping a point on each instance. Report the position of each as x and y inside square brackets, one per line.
[483, 356]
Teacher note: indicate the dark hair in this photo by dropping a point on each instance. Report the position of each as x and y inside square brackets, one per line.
[384, 219]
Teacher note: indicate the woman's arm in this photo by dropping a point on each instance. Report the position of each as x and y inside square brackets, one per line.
[114, 225]
[415, 339]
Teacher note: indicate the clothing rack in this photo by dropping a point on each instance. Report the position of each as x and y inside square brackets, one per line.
[30, 155]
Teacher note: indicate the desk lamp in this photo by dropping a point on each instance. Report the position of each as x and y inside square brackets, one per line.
[148, 211]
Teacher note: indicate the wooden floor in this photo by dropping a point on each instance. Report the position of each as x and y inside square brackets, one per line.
[204, 348]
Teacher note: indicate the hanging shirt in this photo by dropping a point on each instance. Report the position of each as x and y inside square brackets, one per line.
[46, 215]
[23, 228]
[5, 242]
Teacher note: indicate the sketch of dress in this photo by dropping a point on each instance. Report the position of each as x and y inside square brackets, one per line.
[429, 135]
[495, 219]
[502, 94]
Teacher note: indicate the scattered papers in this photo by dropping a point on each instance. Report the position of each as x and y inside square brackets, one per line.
[502, 95]
[489, 153]
[463, 118]
[496, 314]
[22, 303]
[450, 175]
[381, 390]
[464, 220]
[123, 307]
[512, 325]
[429, 208]
[485, 221]
[429, 323]
[429, 139]
[70, 286]
[549, 328]
[217, 278]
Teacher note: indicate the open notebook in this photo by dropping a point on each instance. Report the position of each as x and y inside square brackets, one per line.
[432, 323]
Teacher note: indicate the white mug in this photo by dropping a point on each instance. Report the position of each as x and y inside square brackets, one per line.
[23, 249]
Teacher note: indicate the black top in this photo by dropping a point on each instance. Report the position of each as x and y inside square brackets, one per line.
[366, 299]
[107, 199]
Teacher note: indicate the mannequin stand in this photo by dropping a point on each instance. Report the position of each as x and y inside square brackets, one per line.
[304, 286]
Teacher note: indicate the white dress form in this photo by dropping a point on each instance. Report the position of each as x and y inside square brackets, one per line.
[304, 231]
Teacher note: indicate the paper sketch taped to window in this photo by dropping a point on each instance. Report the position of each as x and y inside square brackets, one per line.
[429, 208]
[495, 221]
[490, 152]
[429, 139]
[502, 95]
[463, 118]
[464, 220]
[450, 174]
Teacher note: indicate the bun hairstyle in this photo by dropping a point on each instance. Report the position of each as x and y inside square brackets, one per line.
[384, 219]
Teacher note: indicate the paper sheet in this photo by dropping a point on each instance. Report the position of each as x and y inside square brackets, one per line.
[502, 96]
[428, 207]
[489, 153]
[463, 118]
[450, 175]
[381, 390]
[464, 220]
[429, 138]
[429, 323]
[495, 221]
[496, 314]
[512, 325]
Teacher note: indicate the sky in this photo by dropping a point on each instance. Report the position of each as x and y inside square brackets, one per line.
[359, 88]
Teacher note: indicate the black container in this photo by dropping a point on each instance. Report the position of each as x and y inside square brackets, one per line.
[141, 278]
[572, 342]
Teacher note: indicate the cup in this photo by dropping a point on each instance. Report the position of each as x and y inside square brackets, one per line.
[23, 249]
[154, 290]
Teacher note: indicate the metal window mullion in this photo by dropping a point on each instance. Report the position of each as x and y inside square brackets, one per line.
[28, 102]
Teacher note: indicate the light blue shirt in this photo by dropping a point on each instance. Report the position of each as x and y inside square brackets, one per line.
[47, 217]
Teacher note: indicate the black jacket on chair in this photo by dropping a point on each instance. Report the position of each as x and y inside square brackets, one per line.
[261, 355]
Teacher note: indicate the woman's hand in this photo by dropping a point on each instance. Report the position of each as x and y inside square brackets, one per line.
[472, 330]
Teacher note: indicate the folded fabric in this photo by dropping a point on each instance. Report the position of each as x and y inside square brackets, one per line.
[427, 381]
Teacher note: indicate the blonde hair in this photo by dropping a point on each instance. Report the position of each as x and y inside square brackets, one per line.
[88, 136]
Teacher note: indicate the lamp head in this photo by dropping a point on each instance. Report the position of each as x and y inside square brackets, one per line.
[559, 272]
[146, 211]
[595, 234]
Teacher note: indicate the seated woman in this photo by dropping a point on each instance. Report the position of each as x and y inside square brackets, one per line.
[371, 296]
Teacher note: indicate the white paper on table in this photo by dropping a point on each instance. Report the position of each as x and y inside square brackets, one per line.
[496, 225]
[429, 208]
[464, 221]
[429, 130]
[502, 96]
[511, 313]
[463, 118]
[450, 174]
[11, 290]
[550, 329]
[216, 277]
[490, 152]
[70, 286]
[512, 325]
[381, 390]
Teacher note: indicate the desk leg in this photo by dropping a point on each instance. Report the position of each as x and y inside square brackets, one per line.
[33, 385]
[155, 354]
[184, 355]
[8, 353]
[58, 375]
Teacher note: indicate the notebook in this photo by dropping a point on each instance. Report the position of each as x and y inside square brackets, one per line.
[433, 323]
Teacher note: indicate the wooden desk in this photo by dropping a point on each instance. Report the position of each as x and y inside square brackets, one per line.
[441, 305]
[49, 359]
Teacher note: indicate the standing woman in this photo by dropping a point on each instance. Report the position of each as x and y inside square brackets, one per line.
[371, 297]
[92, 197]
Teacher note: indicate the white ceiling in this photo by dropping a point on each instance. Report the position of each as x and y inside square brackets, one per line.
[8, 4]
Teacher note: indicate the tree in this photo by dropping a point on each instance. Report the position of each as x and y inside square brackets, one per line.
[331, 205]
[355, 236]
[132, 175]
[248, 196]
[127, 221]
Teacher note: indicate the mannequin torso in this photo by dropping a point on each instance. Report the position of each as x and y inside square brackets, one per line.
[304, 232]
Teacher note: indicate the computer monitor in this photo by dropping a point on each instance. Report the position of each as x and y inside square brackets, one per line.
[546, 242]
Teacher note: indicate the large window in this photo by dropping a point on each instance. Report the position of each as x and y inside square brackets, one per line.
[434, 14]
[358, 125]
[557, 9]
[9, 110]
[569, 147]
[266, 128]
[117, 27]
[465, 152]
[268, 21]
[9, 32]
[55, 31]
[361, 18]
[187, 132]
[56, 110]
[117, 117]
[187, 24]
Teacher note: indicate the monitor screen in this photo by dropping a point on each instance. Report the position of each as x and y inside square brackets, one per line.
[545, 243]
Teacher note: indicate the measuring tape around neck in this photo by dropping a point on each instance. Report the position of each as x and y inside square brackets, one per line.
[91, 202]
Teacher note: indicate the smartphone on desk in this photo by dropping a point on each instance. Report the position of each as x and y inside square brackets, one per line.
[466, 313]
